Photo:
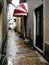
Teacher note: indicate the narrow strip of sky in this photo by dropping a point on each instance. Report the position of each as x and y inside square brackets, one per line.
[15, 2]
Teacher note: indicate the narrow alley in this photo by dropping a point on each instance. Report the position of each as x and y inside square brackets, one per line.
[18, 53]
[24, 32]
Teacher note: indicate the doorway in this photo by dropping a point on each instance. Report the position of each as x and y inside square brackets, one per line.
[39, 27]
[21, 25]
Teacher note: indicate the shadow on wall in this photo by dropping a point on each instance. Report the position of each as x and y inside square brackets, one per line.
[47, 51]
[1, 7]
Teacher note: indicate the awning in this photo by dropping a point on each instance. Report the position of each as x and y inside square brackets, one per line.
[21, 9]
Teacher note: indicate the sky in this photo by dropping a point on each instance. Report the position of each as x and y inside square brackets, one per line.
[15, 2]
[11, 8]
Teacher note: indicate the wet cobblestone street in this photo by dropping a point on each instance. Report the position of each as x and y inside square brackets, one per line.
[18, 53]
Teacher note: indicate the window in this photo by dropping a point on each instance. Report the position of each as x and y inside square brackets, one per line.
[22, 1]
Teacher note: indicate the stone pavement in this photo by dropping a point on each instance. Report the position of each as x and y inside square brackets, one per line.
[18, 53]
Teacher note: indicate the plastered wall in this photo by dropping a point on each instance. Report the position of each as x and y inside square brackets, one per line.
[47, 21]
[32, 4]
[0, 31]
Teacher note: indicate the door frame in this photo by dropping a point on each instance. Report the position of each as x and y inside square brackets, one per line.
[35, 32]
